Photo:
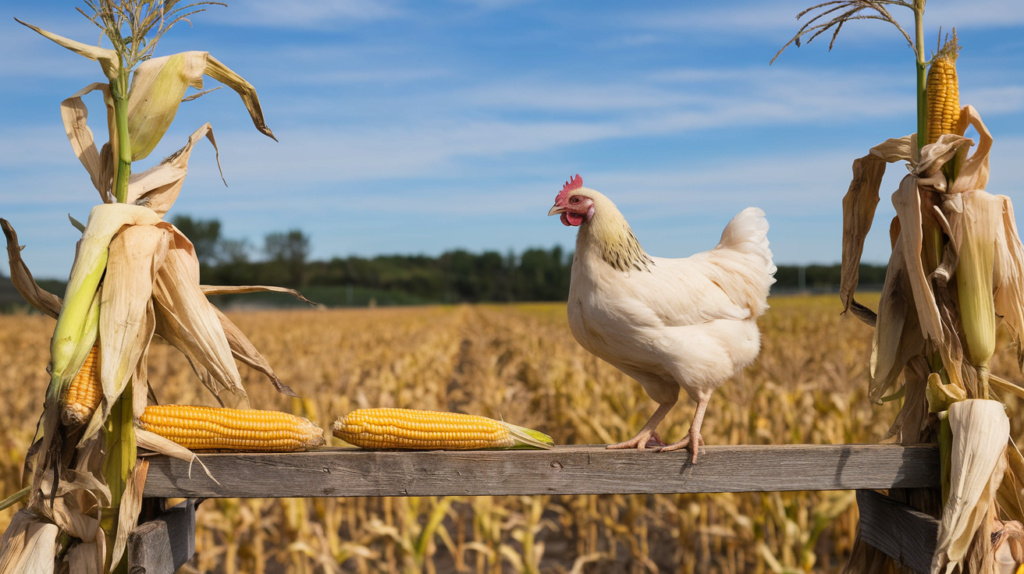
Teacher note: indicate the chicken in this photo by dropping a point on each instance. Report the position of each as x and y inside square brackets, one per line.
[668, 323]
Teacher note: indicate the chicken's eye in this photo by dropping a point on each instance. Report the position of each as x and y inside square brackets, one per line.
[575, 199]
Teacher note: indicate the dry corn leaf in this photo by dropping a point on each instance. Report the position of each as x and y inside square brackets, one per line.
[108, 59]
[981, 431]
[126, 314]
[897, 335]
[160, 445]
[86, 558]
[245, 351]
[131, 506]
[29, 545]
[933, 157]
[940, 396]
[1011, 491]
[1008, 276]
[893, 150]
[158, 187]
[239, 289]
[46, 302]
[973, 172]
[188, 321]
[218, 71]
[858, 213]
[912, 419]
[74, 114]
[907, 201]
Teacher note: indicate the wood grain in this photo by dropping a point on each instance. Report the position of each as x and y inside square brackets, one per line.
[335, 472]
[902, 533]
[164, 544]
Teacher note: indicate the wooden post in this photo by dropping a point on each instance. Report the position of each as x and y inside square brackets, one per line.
[164, 544]
[904, 534]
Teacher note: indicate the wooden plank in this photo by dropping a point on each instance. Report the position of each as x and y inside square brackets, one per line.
[164, 544]
[335, 472]
[902, 533]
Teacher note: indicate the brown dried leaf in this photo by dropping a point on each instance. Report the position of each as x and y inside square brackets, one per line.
[1008, 277]
[897, 149]
[907, 201]
[21, 277]
[858, 213]
[933, 157]
[973, 172]
[131, 506]
[28, 545]
[245, 351]
[108, 59]
[218, 71]
[239, 289]
[913, 417]
[188, 321]
[1011, 491]
[897, 335]
[158, 187]
[74, 114]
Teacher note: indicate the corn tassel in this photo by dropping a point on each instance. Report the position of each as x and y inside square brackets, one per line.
[943, 92]
[383, 428]
[85, 392]
[209, 428]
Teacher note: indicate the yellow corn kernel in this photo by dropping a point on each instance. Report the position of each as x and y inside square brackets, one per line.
[421, 430]
[943, 91]
[84, 393]
[209, 428]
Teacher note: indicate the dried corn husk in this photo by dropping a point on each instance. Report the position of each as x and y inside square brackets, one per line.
[981, 430]
[28, 545]
[897, 335]
[157, 188]
[972, 172]
[75, 115]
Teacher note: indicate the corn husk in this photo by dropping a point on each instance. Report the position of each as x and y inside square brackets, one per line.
[972, 172]
[28, 545]
[980, 224]
[75, 116]
[981, 430]
[127, 319]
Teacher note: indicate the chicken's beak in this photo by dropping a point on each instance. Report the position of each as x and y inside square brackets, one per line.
[555, 210]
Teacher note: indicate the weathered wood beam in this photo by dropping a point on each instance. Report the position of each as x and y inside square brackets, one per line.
[164, 544]
[906, 535]
[336, 472]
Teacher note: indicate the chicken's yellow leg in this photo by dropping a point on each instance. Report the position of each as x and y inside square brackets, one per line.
[639, 442]
[693, 439]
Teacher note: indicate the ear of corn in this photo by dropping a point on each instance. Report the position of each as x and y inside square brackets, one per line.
[943, 92]
[85, 392]
[410, 429]
[209, 428]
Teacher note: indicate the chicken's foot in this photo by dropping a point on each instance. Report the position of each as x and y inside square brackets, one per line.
[644, 438]
[693, 440]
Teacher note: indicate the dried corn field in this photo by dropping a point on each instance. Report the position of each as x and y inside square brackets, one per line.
[519, 363]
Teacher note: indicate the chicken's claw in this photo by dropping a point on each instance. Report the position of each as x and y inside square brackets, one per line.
[643, 440]
[694, 439]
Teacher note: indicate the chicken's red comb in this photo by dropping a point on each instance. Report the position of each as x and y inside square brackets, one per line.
[571, 185]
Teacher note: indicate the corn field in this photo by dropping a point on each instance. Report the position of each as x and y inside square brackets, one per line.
[518, 363]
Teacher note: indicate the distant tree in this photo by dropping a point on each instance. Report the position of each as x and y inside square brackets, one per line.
[290, 251]
[204, 234]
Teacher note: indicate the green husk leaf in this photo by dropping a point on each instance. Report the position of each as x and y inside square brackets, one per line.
[528, 438]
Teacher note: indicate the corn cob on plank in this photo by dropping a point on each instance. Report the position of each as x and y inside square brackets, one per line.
[209, 428]
[409, 429]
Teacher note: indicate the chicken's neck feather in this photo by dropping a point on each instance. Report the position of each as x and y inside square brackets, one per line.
[609, 236]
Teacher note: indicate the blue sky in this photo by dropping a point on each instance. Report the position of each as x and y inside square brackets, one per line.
[416, 127]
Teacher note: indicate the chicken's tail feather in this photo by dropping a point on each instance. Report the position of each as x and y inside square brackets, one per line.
[748, 233]
[743, 261]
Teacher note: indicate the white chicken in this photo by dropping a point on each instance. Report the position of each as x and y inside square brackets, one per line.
[668, 323]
